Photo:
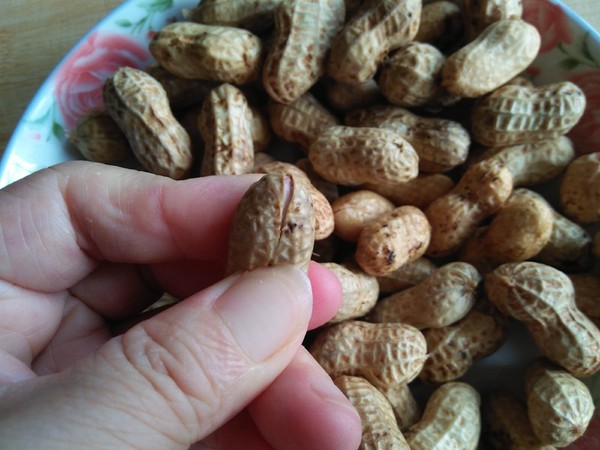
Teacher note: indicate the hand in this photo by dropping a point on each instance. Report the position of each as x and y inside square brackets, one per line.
[85, 248]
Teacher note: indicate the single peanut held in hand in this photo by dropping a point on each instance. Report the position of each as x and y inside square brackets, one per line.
[140, 107]
[273, 224]
[543, 299]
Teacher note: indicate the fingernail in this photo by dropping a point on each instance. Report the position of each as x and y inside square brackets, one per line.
[267, 308]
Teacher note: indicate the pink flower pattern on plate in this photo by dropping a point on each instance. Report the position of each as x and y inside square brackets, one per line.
[80, 79]
[586, 134]
[550, 20]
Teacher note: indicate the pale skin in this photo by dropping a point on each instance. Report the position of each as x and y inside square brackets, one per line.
[85, 248]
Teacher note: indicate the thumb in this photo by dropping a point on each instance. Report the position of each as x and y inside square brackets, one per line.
[173, 379]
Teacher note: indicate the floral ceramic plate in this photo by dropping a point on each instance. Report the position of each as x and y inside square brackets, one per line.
[570, 51]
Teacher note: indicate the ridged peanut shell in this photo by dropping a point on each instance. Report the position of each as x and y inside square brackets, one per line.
[502, 51]
[479, 14]
[98, 138]
[208, 52]
[355, 210]
[419, 192]
[408, 275]
[273, 224]
[580, 189]
[139, 105]
[404, 404]
[352, 156]
[385, 354]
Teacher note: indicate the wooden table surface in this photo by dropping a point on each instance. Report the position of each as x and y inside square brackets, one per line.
[36, 34]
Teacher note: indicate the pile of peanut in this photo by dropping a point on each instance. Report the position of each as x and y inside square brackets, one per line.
[400, 143]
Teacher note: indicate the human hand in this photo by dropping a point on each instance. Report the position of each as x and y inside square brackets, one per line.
[87, 246]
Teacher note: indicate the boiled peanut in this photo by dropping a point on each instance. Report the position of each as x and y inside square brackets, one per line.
[225, 125]
[534, 163]
[353, 156]
[515, 114]
[440, 143]
[98, 138]
[355, 210]
[208, 52]
[454, 348]
[559, 405]
[378, 27]
[481, 191]
[140, 107]
[379, 427]
[273, 224]
[359, 291]
[419, 192]
[580, 189]
[543, 299]
[479, 14]
[304, 30]
[503, 50]
[392, 240]
[443, 298]
[386, 354]
[324, 218]
[451, 419]
[406, 276]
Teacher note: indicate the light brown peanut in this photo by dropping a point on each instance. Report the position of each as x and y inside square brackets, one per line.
[208, 52]
[392, 240]
[353, 156]
[304, 30]
[253, 15]
[451, 419]
[377, 27]
[559, 405]
[386, 354]
[98, 138]
[379, 427]
[419, 192]
[405, 406]
[441, 24]
[506, 424]
[535, 163]
[479, 14]
[359, 291]
[543, 299]
[140, 107]
[481, 191]
[302, 121]
[517, 232]
[355, 210]
[580, 189]
[410, 76]
[514, 114]
[324, 218]
[587, 294]
[406, 276]
[443, 298]
[345, 97]
[440, 143]
[502, 51]
[273, 224]
[455, 348]
[225, 124]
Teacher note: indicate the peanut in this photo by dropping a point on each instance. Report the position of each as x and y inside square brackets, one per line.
[406, 276]
[453, 349]
[503, 50]
[208, 52]
[182, 92]
[324, 218]
[327, 188]
[359, 291]
[479, 14]
[559, 405]
[515, 114]
[580, 189]
[98, 138]
[386, 354]
[273, 224]
[225, 125]
[378, 27]
[443, 298]
[440, 143]
[543, 299]
[404, 404]
[481, 191]
[345, 97]
[587, 294]
[419, 192]
[140, 107]
[441, 24]
[355, 210]
[304, 30]
[451, 419]
[353, 156]
[392, 240]
[261, 129]
[379, 427]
